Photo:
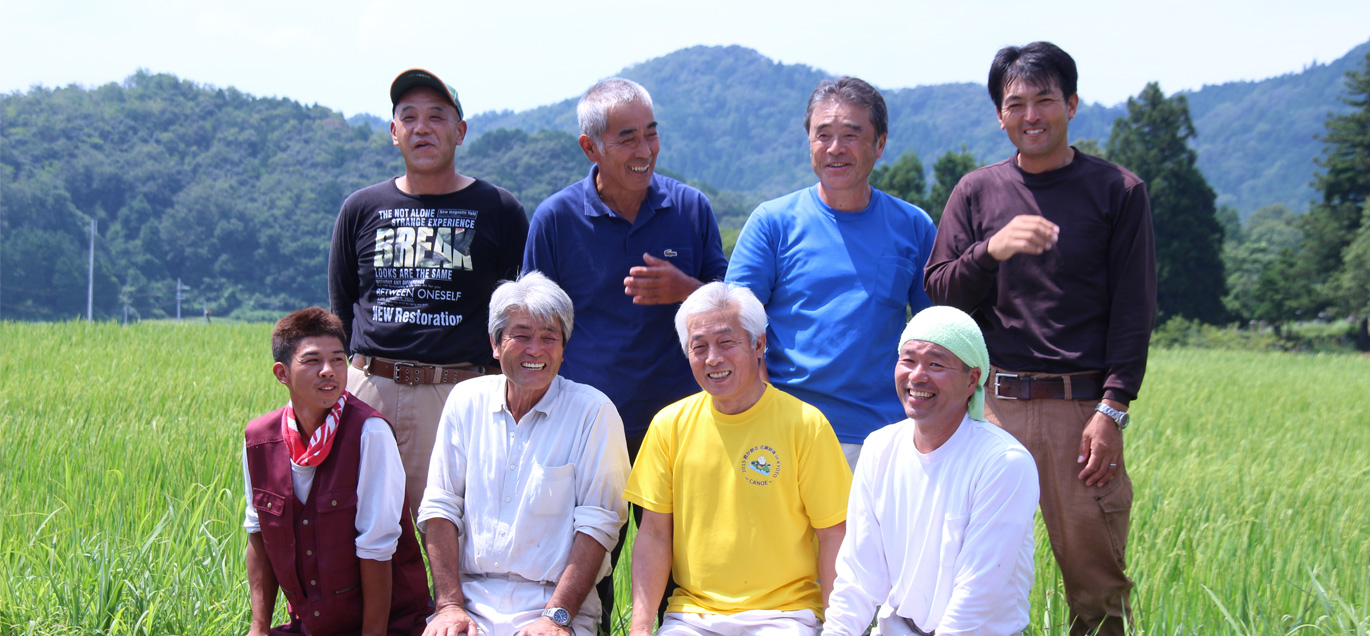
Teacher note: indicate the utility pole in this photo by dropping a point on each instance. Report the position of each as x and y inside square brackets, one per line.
[90, 289]
[179, 297]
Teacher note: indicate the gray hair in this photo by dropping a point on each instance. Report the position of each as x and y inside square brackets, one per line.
[854, 91]
[536, 294]
[722, 297]
[595, 104]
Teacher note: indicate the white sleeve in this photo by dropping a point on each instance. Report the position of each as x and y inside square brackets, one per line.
[380, 492]
[863, 579]
[601, 509]
[1001, 520]
[250, 521]
[444, 494]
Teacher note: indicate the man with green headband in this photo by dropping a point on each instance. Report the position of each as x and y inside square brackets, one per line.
[939, 523]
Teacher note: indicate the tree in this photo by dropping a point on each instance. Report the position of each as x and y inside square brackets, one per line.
[903, 178]
[946, 173]
[1153, 142]
[1337, 243]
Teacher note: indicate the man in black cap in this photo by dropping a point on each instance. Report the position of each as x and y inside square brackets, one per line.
[413, 263]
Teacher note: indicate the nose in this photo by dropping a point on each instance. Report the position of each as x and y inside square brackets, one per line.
[329, 369]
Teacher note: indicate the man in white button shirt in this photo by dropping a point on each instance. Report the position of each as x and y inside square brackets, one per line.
[939, 524]
[524, 496]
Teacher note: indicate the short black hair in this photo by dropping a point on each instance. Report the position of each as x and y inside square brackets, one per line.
[851, 90]
[1042, 64]
[305, 323]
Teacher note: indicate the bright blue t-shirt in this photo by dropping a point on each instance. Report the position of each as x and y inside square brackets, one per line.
[630, 352]
[837, 287]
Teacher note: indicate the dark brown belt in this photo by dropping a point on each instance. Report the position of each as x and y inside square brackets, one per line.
[411, 373]
[1073, 386]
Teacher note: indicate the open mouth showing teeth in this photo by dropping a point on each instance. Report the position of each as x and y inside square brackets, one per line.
[638, 170]
[536, 366]
[920, 395]
[719, 375]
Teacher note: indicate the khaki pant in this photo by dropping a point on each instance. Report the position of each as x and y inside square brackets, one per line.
[1087, 524]
[413, 412]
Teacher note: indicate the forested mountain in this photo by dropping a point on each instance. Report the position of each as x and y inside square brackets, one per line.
[733, 118]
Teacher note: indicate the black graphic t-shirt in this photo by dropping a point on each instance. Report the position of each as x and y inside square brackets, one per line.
[411, 275]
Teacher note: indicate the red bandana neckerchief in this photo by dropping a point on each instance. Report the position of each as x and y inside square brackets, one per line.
[319, 443]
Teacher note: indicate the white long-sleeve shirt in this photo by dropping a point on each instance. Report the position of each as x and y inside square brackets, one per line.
[380, 491]
[943, 539]
[518, 492]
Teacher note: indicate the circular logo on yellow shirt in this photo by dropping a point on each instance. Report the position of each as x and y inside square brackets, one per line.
[761, 465]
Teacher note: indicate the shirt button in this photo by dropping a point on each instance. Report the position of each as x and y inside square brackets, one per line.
[309, 553]
[312, 582]
[511, 467]
[268, 504]
[335, 502]
[316, 612]
[306, 522]
[507, 500]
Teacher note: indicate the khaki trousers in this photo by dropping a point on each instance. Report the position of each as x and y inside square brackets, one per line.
[1087, 525]
[413, 412]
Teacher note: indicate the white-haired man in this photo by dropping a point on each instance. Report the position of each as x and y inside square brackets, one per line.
[940, 518]
[735, 482]
[524, 491]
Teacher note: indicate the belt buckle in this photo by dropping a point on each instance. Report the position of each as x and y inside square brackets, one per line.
[407, 369]
[996, 385]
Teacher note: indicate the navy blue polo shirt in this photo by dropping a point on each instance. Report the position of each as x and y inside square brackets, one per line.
[630, 352]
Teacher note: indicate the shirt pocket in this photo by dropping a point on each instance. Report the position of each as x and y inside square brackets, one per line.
[552, 490]
[953, 535]
[893, 278]
[270, 506]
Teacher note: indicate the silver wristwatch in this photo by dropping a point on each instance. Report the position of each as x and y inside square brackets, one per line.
[558, 615]
[1119, 417]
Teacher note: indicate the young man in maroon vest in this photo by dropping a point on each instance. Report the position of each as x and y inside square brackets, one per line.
[326, 515]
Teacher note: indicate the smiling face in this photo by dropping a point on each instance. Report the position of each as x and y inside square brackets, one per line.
[427, 131]
[1036, 119]
[934, 385]
[529, 353]
[843, 148]
[723, 360]
[316, 374]
[628, 158]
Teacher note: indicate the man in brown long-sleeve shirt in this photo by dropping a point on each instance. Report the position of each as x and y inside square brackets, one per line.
[1052, 251]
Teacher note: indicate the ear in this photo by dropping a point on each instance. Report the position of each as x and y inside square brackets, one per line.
[1072, 103]
[999, 113]
[461, 131]
[761, 346]
[281, 372]
[394, 138]
[494, 346]
[974, 380]
[587, 146]
[880, 146]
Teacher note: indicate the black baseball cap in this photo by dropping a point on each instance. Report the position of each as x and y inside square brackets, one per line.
[416, 77]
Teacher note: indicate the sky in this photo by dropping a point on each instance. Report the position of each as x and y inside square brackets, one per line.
[519, 54]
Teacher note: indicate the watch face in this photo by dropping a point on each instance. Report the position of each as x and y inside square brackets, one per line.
[559, 616]
[1123, 421]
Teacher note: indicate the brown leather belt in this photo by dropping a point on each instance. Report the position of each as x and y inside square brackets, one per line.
[1072, 386]
[411, 373]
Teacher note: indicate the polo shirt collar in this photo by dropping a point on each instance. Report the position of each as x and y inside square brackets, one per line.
[657, 199]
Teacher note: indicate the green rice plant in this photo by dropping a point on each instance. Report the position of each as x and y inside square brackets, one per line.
[121, 486]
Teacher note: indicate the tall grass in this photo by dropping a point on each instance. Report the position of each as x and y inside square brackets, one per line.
[121, 502]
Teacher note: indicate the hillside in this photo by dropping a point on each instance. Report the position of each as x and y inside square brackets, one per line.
[733, 118]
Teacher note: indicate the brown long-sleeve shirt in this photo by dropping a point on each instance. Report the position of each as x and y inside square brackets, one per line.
[1087, 304]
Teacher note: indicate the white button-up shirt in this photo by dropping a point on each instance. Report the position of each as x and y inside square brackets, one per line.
[518, 492]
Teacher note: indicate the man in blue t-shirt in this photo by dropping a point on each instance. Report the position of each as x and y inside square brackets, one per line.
[838, 266]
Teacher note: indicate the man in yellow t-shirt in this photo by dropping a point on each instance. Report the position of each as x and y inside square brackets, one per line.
[735, 483]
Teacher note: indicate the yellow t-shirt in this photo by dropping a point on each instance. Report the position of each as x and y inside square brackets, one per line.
[745, 493]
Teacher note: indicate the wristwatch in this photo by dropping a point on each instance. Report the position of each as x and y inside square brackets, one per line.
[1119, 417]
[558, 615]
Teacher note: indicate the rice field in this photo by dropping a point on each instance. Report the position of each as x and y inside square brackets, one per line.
[121, 503]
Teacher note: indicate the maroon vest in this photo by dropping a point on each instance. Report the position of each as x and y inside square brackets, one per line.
[312, 546]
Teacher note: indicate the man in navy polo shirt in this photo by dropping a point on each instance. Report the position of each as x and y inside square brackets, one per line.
[625, 223]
